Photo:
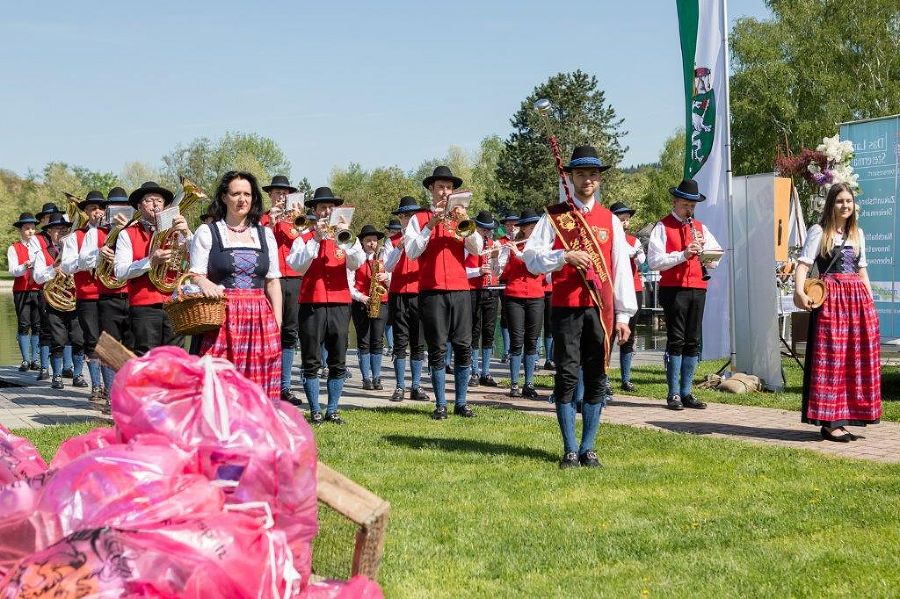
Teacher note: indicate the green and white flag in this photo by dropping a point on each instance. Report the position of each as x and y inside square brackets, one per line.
[704, 53]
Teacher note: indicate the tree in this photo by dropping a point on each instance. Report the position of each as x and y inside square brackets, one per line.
[305, 187]
[134, 174]
[484, 175]
[810, 67]
[525, 168]
[654, 202]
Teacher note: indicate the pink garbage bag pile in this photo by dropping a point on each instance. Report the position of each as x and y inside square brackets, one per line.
[203, 487]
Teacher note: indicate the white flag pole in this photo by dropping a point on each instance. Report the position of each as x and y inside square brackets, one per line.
[732, 362]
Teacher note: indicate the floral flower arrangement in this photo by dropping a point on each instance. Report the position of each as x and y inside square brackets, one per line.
[821, 168]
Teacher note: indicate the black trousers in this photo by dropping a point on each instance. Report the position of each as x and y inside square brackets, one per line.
[485, 303]
[628, 346]
[683, 309]
[64, 330]
[503, 323]
[447, 315]
[28, 312]
[578, 338]
[88, 313]
[46, 338]
[369, 331]
[114, 317]
[524, 317]
[404, 312]
[548, 311]
[290, 311]
[327, 324]
[151, 327]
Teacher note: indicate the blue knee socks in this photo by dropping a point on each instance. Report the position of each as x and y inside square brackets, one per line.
[438, 382]
[673, 375]
[565, 416]
[45, 357]
[108, 376]
[311, 388]
[35, 348]
[590, 421]
[25, 347]
[448, 358]
[335, 388]
[504, 333]
[548, 348]
[376, 364]
[56, 365]
[400, 371]
[67, 357]
[77, 364]
[94, 372]
[461, 380]
[515, 365]
[530, 365]
[476, 362]
[287, 363]
[486, 360]
[625, 364]
[365, 363]
[688, 368]
[416, 366]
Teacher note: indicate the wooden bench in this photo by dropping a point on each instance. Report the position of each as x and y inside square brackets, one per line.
[356, 503]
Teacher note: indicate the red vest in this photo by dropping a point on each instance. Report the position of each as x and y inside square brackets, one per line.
[26, 281]
[569, 289]
[679, 236]
[442, 264]
[364, 280]
[473, 261]
[638, 282]
[405, 276]
[325, 282]
[141, 291]
[519, 280]
[285, 234]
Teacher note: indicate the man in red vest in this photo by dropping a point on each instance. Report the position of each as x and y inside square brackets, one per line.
[369, 331]
[626, 350]
[581, 331]
[26, 291]
[509, 225]
[676, 243]
[444, 302]
[484, 281]
[324, 315]
[87, 288]
[150, 325]
[403, 307]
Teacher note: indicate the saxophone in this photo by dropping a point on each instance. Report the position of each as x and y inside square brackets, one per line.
[376, 289]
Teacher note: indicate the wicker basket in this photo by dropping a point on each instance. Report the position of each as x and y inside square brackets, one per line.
[192, 314]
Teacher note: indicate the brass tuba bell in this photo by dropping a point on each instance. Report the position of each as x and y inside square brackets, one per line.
[165, 276]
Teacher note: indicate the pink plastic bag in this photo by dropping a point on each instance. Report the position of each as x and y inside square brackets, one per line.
[18, 457]
[358, 587]
[263, 453]
[75, 447]
[224, 556]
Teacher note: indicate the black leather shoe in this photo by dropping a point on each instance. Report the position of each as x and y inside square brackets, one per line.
[316, 417]
[514, 391]
[418, 394]
[529, 392]
[376, 384]
[288, 396]
[334, 418]
[439, 414]
[549, 365]
[79, 382]
[570, 460]
[690, 401]
[398, 395]
[464, 411]
[43, 375]
[367, 385]
[23, 367]
[57, 383]
[487, 381]
[34, 366]
[674, 403]
[830, 436]
[628, 386]
[68, 373]
[589, 459]
[473, 380]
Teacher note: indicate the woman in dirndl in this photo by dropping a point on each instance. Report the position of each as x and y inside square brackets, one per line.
[237, 257]
[842, 376]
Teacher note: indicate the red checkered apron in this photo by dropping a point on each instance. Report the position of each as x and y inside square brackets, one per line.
[842, 382]
[249, 338]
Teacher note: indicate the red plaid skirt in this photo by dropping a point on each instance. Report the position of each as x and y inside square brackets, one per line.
[249, 338]
[842, 377]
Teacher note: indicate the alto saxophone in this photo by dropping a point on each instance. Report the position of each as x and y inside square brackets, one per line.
[376, 289]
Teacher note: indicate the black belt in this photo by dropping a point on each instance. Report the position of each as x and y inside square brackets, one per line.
[115, 295]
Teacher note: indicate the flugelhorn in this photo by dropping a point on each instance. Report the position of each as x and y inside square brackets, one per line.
[464, 226]
[165, 275]
[302, 221]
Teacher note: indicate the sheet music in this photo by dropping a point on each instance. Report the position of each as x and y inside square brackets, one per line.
[109, 219]
[340, 213]
[165, 217]
[294, 201]
[460, 198]
[707, 256]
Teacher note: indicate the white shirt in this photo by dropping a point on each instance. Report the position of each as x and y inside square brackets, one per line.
[87, 255]
[201, 245]
[303, 253]
[415, 240]
[70, 261]
[43, 272]
[392, 255]
[814, 239]
[12, 257]
[637, 252]
[659, 259]
[125, 266]
[355, 293]
[540, 257]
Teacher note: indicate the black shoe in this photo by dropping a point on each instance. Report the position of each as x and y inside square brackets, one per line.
[628, 386]
[419, 395]
[504, 359]
[578, 406]
[57, 383]
[97, 399]
[367, 385]
[845, 438]
[68, 373]
[23, 367]
[79, 382]
[529, 392]
[690, 401]
[43, 375]
[473, 380]
[34, 366]
[464, 411]
[334, 418]
[316, 417]
[288, 396]
[348, 375]
[570, 460]
[376, 384]
[448, 369]
[514, 391]
[487, 381]
[589, 459]
[674, 403]
[398, 395]
[549, 365]
[439, 414]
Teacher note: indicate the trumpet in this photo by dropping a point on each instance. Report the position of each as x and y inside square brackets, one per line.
[343, 237]
[165, 275]
[301, 221]
[462, 227]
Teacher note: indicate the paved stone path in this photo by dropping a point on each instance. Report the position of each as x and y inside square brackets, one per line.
[25, 403]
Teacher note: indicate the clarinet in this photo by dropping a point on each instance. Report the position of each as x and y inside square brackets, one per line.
[704, 272]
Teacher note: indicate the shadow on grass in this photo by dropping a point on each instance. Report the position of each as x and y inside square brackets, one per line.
[737, 430]
[51, 419]
[470, 446]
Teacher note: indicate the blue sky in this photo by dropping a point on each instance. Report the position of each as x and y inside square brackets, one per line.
[380, 83]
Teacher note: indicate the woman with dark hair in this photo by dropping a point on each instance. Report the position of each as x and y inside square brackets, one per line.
[237, 257]
[842, 377]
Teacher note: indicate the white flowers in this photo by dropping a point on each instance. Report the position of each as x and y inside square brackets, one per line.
[839, 170]
[835, 150]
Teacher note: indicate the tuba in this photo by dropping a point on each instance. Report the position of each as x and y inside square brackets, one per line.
[376, 289]
[165, 276]
[59, 292]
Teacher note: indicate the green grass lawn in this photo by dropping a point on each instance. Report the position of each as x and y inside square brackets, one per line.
[480, 509]
[651, 382]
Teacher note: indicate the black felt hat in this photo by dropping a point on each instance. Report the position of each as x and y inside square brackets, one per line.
[150, 187]
[279, 182]
[621, 208]
[510, 216]
[48, 208]
[527, 217]
[323, 194]
[687, 190]
[93, 197]
[407, 204]
[370, 230]
[442, 173]
[26, 218]
[57, 219]
[394, 225]
[117, 195]
[585, 157]
[485, 220]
